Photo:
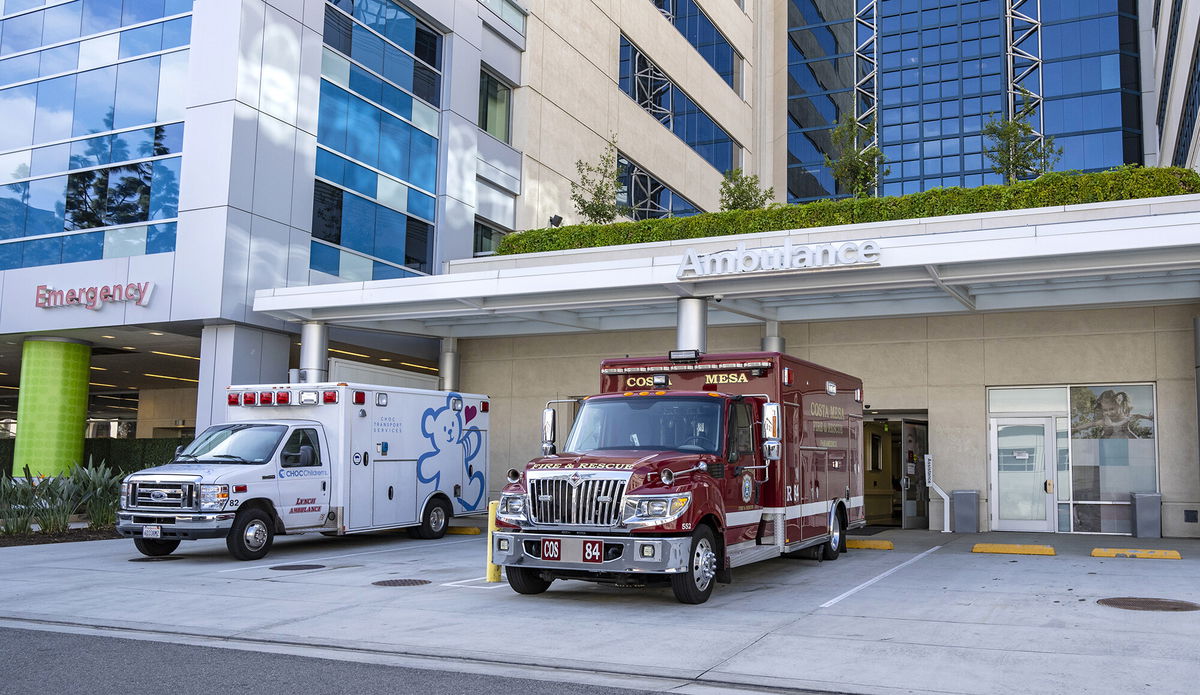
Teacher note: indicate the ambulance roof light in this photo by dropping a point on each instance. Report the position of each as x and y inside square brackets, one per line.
[234, 398]
[359, 398]
[249, 398]
[266, 398]
[684, 355]
[329, 397]
[283, 398]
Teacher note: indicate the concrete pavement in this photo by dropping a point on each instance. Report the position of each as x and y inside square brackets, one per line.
[946, 620]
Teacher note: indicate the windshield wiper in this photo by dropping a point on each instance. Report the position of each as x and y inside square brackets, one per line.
[180, 457]
[235, 457]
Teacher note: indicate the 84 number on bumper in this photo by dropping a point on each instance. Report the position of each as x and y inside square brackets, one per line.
[572, 550]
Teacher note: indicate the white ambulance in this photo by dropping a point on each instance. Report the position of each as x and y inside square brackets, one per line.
[333, 458]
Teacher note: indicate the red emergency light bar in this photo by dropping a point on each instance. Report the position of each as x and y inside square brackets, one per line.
[283, 398]
[266, 398]
[249, 398]
[359, 398]
[686, 367]
[234, 398]
[329, 396]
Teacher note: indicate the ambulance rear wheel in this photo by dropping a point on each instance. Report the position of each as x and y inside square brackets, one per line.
[836, 542]
[696, 584]
[251, 536]
[152, 547]
[435, 521]
[526, 580]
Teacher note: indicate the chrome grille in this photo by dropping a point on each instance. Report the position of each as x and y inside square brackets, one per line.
[590, 502]
[152, 495]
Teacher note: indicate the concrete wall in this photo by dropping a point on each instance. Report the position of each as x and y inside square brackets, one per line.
[941, 364]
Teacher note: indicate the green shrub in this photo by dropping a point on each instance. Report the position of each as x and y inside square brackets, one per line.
[99, 491]
[1056, 188]
[16, 506]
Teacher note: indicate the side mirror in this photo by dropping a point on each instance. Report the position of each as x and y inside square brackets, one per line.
[178, 451]
[772, 422]
[548, 432]
[772, 451]
[307, 456]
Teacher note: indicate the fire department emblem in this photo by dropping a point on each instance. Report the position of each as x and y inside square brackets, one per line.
[747, 488]
[575, 479]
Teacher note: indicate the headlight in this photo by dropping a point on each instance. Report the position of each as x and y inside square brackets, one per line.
[124, 495]
[664, 508]
[513, 505]
[213, 497]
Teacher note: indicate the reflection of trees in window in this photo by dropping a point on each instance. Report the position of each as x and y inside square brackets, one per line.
[87, 194]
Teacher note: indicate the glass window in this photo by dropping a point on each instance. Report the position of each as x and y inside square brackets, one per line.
[290, 455]
[37, 252]
[487, 238]
[100, 15]
[1112, 442]
[45, 199]
[128, 195]
[83, 247]
[1027, 400]
[136, 100]
[95, 91]
[22, 33]
[160, 238]
[164, 188]
[136, 42]
[495, 106]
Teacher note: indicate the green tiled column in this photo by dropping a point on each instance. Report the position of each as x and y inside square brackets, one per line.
[51, 405]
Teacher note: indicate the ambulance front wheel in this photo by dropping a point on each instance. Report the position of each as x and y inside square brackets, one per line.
[251, 536]
[696, 584]
[435, 520]
[837, 537]
[526, 580]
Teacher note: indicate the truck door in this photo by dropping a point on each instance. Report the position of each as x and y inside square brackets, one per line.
[743, 496]
[303, 489]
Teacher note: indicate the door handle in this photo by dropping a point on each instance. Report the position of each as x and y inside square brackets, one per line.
[322, 486]
[366, 458]
[1048, 486]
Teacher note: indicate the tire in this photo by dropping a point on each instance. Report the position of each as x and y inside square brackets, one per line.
[526, 580]
[251, 536]
[153, 547]
[435, 521]
[837, 538]
[696, 584]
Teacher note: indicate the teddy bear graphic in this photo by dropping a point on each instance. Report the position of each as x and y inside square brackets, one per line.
[445, 430]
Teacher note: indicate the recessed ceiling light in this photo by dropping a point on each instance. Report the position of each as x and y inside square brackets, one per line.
[110, 337]
[128, 347]
[419, 366]
[156, 333]
[385, 359]
[98, 369]
[14, 388]
[92, 383]
[171, 354]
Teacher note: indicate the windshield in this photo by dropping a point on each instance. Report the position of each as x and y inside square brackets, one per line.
[673, 424]
[234, 444]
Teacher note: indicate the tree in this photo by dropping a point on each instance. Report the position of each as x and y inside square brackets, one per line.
[1014, 149]
[595, 193]
[858, 163]
[742, 192]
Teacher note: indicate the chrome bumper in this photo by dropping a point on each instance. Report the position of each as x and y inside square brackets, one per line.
[182, 526]
[650, 555]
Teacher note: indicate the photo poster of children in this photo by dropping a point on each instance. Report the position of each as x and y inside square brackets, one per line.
[1112, 448]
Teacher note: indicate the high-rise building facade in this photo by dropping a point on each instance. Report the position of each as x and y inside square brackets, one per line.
[931, 73]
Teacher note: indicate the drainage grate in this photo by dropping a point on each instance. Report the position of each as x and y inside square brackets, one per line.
[401, 582]
[297, 567]
[1131, 603]
[158, 558]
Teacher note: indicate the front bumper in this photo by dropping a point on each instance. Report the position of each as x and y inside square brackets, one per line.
[188, 526]
[621, 554]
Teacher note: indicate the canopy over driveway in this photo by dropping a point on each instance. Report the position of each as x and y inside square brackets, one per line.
[1129, 252]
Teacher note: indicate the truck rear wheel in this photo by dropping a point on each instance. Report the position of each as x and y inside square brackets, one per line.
[837, 540]
[152, 547]
[696, 584]
[435, 521]
[251, 536]
[526, 580]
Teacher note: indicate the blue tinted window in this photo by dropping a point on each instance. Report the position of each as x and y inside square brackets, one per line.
[160, 238]
[18, 106]
[383, 58]
[41, 252]
[136, 42]
[61, 22]
[420, 205]
[704, 36]
[45, 206]
[164, 189]
[83, 247]
[332, 116]
[22, 33]
[91, 152]
[177, 32]
[50, 160]
[10, 256]
[136, 99]
[358, 223]
[56, 60]
[324, 259]
[55, 105]
[390, 235]
[646, 197]
[100, 15]
[95, 91]
[138, 11]
[19, 68]
[128, 193]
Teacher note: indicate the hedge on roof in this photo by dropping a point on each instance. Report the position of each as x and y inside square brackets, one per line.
[1123, 183]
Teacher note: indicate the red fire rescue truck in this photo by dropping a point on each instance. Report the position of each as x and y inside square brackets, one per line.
[685, 467]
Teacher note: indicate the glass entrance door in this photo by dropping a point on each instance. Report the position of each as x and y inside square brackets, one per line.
[1023, 474]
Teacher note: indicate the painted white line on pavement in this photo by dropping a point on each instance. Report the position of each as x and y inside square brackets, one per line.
[335, 557]
[869, 582]
[463, 584]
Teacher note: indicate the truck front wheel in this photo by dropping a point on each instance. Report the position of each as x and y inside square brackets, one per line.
[251, 536]
[696, 584]
[152, 547]
[830, 550]
[526, 580]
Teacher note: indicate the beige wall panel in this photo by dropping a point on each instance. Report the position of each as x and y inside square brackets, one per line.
[526, 136]
[163, 407]
[896, 364]
[587, 30]
[1072, 358]
[576, 84]
[1174, 355]
[490, 349]
[571, 141]
[491, 377]
[955, 327]
[1177, 316]
[876, 331]
[1178, 470]
[954, 362]
[894, 398]
[958, 442]
[1067, 322]
[732, 339]
[797, 335]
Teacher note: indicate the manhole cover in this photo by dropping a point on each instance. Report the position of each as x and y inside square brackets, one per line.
[297, 567]
[401, 582]
[155, 559]
[1131, 603]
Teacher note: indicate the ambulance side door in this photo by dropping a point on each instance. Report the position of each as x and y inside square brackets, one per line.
[303, 484]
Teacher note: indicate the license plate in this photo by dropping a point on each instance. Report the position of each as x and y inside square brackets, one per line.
[572, 550]
[151, 532]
